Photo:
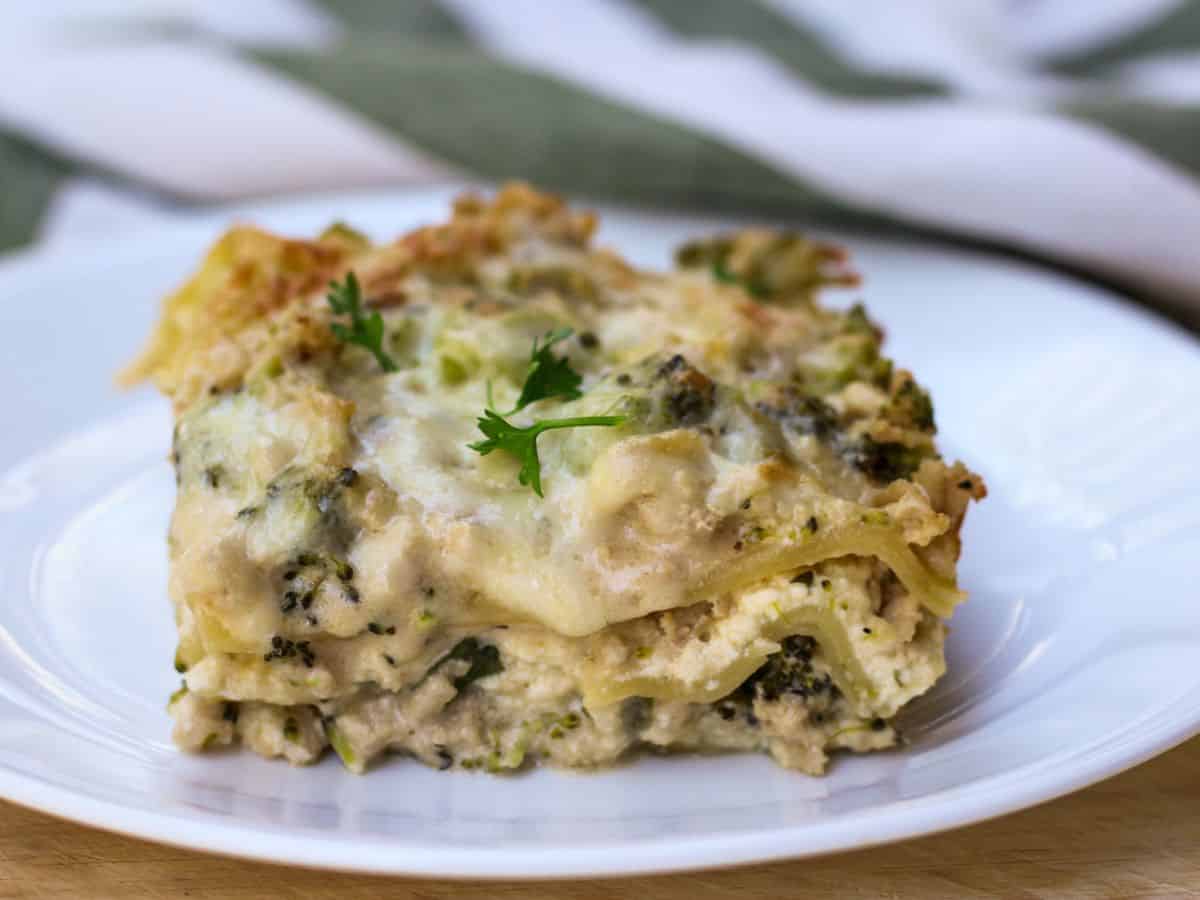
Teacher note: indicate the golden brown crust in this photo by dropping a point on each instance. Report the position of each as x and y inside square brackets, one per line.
[258, 296]
[213, 328]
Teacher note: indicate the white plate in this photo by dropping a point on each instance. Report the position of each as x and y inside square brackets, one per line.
[1073, 659]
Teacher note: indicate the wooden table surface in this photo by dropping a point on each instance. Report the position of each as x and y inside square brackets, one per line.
[1137, 835]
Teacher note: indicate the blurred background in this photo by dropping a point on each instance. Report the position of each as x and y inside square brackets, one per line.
[1063, 130]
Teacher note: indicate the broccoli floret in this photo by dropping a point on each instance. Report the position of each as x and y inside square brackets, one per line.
[484, 660]
[883, 460]
[789, 671]
[858, 359]
[911, 405]
[802, 413]
[769, 265]
[688, 394]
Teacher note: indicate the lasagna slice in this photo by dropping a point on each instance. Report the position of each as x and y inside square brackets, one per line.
[488, 495]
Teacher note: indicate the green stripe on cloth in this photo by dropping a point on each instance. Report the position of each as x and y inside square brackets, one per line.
[502, 121]
[424, 18]
[29, 178]
[1167, 130]
[1178, 30]
[803, 51]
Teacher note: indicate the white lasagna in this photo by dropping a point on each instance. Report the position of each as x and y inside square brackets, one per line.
[488, 496]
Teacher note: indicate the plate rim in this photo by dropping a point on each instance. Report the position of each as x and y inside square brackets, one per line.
[597, 860]
[989, 798]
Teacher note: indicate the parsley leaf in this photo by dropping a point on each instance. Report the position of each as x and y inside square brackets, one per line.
[364, 330]
[549, 375]
[521, 442]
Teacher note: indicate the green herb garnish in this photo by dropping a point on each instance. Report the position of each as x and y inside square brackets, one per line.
[521, 442]
[548, 376]
[364, 330]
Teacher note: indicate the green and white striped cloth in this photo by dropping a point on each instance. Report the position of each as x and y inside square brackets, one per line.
[1064, 129]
